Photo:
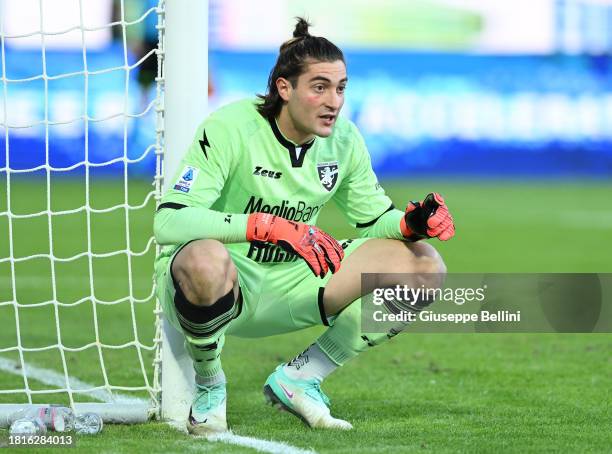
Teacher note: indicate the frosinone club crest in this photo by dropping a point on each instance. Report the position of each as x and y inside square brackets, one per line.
[328, 174]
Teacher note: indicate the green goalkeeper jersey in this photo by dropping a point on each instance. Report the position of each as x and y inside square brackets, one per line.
[240, 163]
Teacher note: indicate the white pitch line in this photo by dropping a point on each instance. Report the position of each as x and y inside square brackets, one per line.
[53, 378]
[272, 447]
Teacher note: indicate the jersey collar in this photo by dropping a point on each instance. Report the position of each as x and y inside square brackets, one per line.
[296, 152]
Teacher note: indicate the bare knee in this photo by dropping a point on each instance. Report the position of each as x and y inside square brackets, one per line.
[428, 265]
[427, 259]
[204, 271]
[386, 263]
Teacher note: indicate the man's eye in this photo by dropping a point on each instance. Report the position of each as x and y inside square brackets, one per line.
[341, 89]
[319, 88]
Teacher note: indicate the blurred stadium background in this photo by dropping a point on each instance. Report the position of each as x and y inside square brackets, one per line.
[504, 107]
[467, 88]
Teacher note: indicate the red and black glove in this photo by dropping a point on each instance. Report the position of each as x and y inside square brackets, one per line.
[427, 219]
[320, 251]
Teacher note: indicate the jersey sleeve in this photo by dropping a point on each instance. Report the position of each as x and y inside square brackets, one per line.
[204, 168]
[184, 213]
[363, 200]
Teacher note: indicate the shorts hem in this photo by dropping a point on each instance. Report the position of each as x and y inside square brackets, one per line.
[322, 307]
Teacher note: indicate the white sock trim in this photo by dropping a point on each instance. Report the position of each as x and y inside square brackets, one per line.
[311, 363]
[211, 381]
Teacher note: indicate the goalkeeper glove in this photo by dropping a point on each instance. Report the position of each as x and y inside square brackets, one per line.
[427, 219]
[320, 251]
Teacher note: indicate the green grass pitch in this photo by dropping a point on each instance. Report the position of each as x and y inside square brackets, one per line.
[418, 393]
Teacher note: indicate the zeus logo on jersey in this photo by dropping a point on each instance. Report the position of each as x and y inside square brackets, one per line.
[267, 173]
[328, 174]
[187, 178]
[300, 213]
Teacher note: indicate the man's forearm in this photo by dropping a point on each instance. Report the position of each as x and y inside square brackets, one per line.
[176, 226]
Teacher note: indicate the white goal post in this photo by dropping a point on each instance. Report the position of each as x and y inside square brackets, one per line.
[186, 102]
[164, 384]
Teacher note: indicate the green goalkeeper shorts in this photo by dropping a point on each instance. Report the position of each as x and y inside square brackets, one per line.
[274, 299]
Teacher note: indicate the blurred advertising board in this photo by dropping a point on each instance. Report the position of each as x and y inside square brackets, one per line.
[475, 26]
[462, 113]
[419, 112]
[438, 87]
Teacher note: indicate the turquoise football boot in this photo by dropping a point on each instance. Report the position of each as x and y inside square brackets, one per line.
[303, 398]
[207, 412]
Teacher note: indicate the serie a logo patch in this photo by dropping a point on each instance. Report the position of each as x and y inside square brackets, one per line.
[187, 178]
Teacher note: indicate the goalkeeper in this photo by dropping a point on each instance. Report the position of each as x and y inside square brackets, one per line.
[241, 254]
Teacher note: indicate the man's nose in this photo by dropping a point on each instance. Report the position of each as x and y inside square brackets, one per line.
[334, 100]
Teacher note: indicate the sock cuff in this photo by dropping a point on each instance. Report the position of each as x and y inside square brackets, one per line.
[202, 314]
[335, 352]
[207, 369]
[211, 379]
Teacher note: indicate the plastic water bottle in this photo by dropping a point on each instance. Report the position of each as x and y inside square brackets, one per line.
[60, 419]
[53, 417]
[28, 426]
[88, 424]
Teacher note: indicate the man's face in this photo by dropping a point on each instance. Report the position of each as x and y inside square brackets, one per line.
[313, 105]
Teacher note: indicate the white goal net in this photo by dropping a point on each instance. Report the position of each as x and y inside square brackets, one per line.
[81, 134]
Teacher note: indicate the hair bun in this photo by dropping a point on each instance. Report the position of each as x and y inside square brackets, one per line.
[301, 28]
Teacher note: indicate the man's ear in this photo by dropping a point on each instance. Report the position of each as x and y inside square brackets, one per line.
[284, 88]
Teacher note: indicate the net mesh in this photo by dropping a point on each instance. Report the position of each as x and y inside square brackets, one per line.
[81, 142]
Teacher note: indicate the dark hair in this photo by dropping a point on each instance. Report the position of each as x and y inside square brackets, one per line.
[293, 60]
